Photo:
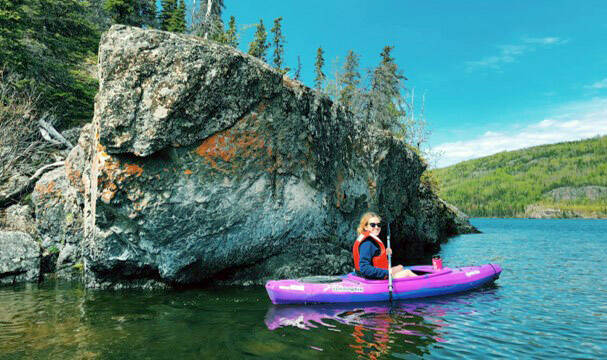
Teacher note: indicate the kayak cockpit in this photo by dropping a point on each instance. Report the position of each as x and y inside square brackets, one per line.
[422, 272]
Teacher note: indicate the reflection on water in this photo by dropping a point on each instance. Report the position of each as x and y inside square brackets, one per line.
[380, 328]
[548, 303]
[63, 320]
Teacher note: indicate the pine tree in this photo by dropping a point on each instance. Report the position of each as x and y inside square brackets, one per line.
[349, 79]
[259, 46]
[173, 16]
[121, 11]
[179, 23]
[384, 98]
[132, 12]
[278, 42]
[166, 14]
[149, 13]
[218, 35]
[231, 34]
[320, 76]
[206, 21]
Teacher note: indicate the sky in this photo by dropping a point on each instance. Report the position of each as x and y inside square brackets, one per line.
[496, 75]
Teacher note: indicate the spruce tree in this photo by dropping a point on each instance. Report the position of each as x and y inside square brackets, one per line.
[384, 97]
[121, 11]
[179, 22]
[278, 42]
[172, 16]
[320, 75]
[231, 35]
[166, 13]
[206, 21]
[349, 80]
[218, 35]
[132, 12]
[259, 46]
[149, 13]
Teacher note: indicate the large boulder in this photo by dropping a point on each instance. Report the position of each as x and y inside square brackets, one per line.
[19, 258]
[206, 164]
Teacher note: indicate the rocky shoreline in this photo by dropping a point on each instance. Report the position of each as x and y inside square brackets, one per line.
[204, 165]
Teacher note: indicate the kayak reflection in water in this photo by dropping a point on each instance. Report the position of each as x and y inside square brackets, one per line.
[370, 254]
[374, 328]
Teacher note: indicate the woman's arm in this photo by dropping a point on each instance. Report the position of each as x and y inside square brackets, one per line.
[367, 250]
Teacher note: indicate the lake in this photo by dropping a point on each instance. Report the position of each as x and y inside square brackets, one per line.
[550, 302]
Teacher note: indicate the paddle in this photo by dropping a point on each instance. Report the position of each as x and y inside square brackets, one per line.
[389, 266]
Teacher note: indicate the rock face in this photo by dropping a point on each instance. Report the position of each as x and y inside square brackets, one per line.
[591, 193]
[59, 221]
[205, 164]
[19, 258]
[19, 218]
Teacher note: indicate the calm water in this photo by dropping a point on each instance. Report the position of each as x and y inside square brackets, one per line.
[550, 302]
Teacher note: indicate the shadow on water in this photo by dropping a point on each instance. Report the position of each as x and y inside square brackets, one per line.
[380, 329]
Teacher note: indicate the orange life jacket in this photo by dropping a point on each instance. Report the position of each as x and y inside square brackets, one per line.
[379, 261]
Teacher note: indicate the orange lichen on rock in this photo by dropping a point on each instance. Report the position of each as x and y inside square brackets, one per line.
[45, 188]
[133, 169]
[339, 194]
[231, 144]
[74, 176]
[108, 192]
[188, 172]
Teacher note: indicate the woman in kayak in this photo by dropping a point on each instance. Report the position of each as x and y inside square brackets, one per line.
[370, 254]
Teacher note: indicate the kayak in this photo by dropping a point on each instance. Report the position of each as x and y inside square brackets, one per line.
[352, 288]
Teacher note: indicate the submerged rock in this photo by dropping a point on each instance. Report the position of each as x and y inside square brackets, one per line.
[19, 258]
[204, 164]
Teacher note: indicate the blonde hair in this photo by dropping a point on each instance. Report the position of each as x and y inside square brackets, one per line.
[364, 220]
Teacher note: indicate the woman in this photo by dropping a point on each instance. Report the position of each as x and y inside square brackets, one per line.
[370, 254]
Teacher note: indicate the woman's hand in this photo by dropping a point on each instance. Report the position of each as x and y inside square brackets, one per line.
[389, 251]
[396, 269]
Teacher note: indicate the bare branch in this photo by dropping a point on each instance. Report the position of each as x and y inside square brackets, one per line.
[14, 195]
[56, 137]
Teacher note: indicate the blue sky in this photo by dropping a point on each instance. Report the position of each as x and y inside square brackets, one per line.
[497, 75]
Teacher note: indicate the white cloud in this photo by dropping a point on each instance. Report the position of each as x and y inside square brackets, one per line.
[510, 53]
[545, 41]
[574, 121]
[598, 85]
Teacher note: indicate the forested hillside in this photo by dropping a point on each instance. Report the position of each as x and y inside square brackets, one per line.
[568, 178]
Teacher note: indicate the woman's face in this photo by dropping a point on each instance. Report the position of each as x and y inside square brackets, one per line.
[373, 226]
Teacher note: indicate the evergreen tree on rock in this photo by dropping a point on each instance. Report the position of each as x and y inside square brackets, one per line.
[320, 75]
[259, 46]
[349, 79]
[173, 16]
[207, 22]
[140, 13]
[385, 99]
[278, 42]
[166, 13]
[231, 34]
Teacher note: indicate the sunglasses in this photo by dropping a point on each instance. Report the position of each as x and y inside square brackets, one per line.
[373, 225]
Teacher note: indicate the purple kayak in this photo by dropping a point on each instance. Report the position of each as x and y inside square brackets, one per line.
[351, 288]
